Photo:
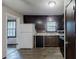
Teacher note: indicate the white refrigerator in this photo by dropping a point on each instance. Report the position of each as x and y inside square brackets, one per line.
[26, 33]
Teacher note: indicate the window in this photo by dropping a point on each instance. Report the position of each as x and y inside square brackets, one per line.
[51, 26]
[11, 29]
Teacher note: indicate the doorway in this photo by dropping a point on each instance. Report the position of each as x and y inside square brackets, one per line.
[11, 34]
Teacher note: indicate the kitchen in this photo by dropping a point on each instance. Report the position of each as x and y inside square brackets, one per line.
[39, 29]
[42, 31]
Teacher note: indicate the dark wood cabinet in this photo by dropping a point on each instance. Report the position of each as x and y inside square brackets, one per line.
[51, 41]
[39, 41]
[46, 41]
[40, 28]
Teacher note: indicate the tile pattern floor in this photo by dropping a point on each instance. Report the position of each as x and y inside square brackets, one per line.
[11, 49]
[37, 53]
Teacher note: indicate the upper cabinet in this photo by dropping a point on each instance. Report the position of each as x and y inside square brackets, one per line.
[42, 22]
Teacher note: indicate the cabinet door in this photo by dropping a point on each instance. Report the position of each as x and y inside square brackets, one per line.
[51, 41]
[39, 41]
[70, 31]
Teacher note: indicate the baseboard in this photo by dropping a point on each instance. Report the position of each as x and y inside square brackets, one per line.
[25, 48]
[13, 44]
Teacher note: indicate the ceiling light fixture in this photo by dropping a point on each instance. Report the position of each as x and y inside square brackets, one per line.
[39, 22]
[51, 3]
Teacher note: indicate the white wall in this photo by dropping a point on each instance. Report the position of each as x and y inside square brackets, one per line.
[11, 41]
[19, 19]
[4, 35]
[7, 11]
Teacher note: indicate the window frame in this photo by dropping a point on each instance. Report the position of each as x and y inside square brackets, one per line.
[51, 26]
[15, 28]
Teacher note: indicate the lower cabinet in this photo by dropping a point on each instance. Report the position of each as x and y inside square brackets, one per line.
[46, 41]
[51, 41]
[39, 41]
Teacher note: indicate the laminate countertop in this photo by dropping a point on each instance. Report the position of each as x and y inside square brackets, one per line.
[49, 34]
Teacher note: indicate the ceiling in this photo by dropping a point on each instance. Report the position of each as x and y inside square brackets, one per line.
[35, 7]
